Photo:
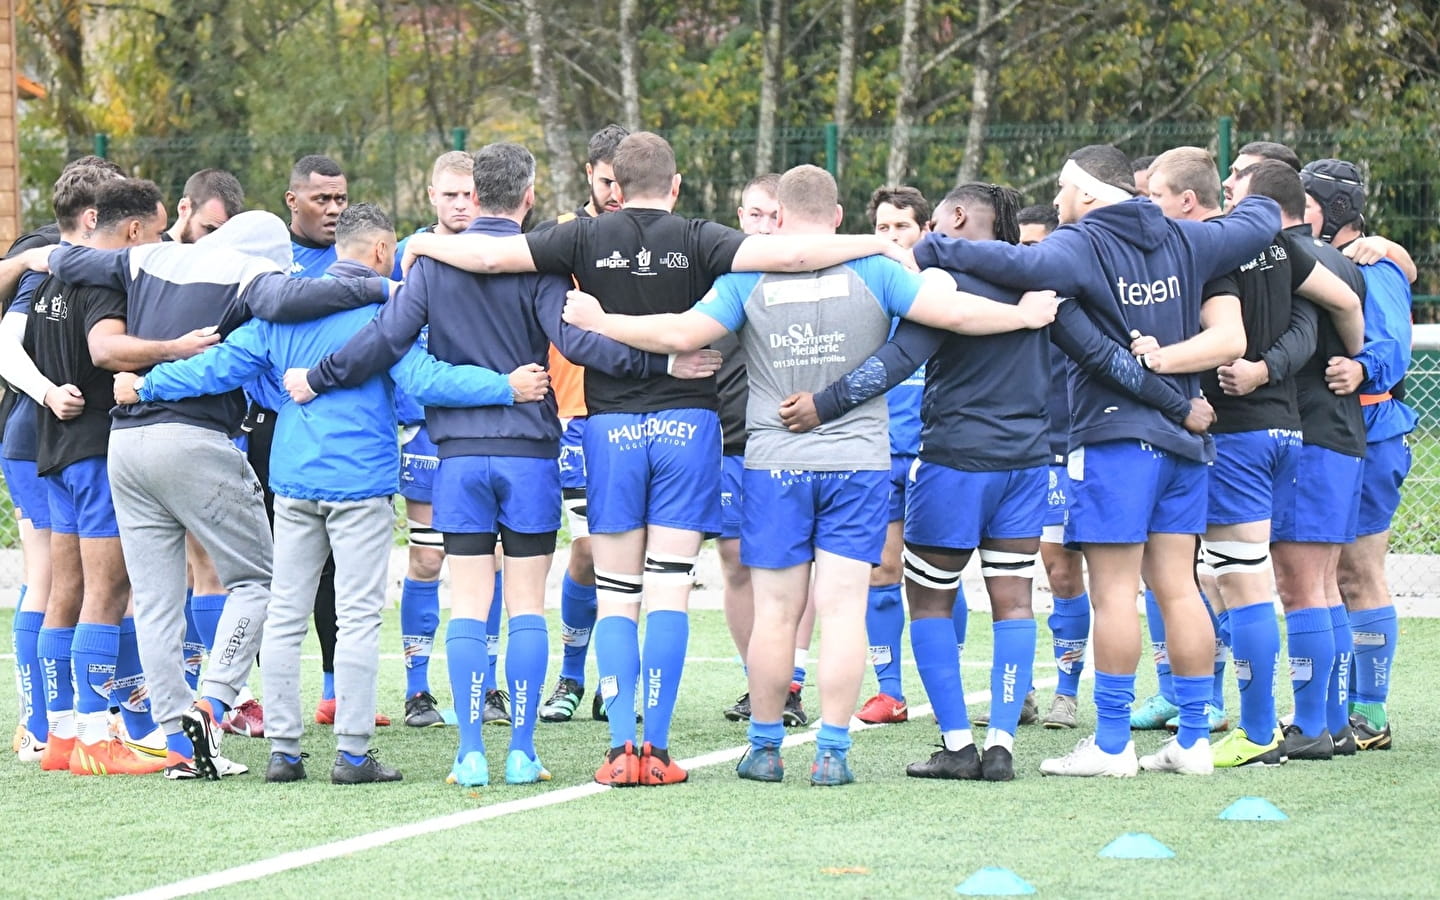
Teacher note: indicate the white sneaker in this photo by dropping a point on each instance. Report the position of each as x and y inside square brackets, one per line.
[151, 745]
[1171, 757]
[227, 767]
[30, 748]
[1087, 760]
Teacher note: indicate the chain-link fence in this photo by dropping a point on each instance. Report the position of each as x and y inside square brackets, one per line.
[391, 169]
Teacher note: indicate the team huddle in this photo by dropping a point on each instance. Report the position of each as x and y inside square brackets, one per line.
[1157, 379]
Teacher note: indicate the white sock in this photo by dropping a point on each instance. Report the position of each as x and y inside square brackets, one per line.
[802, 656]
[957, 739]
[92, 728]
[997, 738]
[62, 724]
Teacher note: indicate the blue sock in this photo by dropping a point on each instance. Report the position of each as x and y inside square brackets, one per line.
[179, 743]
[960, 620]
[884, 624]
[529, 651]
[419, 620]
[492, 630]
[193, 650]
[465, 658]
[1255, 643]
[1222, 650]
[1337, 696]
[766, 734]
[798, 675]
[1070, 632]
[1375, 632]
[27, 666]
[1014, 663]
[577, 620]
[1155, 622]
[93, 656]
[835, 738]
[353, 759]
[1222, 627]
[667, 632]
[1114, 695]
[1311, 639]
[53, 648]
[1192, 694]
[327, 685]
[617, 657]
[933, 643]
[128, 678]
[218, 708]
[206, 609]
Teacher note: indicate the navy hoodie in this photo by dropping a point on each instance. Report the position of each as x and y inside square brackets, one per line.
[1129, 267]
[500, 322]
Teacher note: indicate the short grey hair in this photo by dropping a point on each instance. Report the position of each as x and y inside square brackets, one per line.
[503, 172]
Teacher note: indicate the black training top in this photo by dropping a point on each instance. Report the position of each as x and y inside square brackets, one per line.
[1265, 286]
[1329, 420]
[640, 262]
[57, 338]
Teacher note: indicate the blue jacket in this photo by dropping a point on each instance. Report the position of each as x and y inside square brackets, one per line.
[1129, 267]
[1386, 355]
[340, 446]
[498, 321]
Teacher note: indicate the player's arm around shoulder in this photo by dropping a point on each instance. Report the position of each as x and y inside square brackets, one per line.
[660, 333]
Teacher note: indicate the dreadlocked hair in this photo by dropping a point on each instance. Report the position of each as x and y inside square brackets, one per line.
[1003, 201]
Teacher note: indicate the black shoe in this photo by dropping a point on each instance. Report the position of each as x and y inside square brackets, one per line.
[998, 764]
[1295, 745]
[597, 710]
[1344, 741]
[563, 701]
[497, 709]
[740, 712]
[368, 772]
[794, 713]
[420, 711]
[959, 765]
[282, 769]
[1366, 737]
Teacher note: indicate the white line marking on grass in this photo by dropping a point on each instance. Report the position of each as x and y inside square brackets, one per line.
[297, 859]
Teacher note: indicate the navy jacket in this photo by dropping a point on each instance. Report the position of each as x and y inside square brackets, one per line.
[1130, 268]
[500, 322]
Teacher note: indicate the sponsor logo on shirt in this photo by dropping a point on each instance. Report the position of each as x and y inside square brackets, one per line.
[1147, 293]
[613, 261]
[675, 260]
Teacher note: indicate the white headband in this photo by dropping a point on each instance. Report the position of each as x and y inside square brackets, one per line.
[1084, 181]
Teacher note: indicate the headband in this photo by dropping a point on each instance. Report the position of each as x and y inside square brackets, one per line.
[1084, 181]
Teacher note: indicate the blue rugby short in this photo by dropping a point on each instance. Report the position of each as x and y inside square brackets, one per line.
[1387, 463]
[1323, 504]
[1251, 468]
[1123, 491]
[80, 501]
[789, 514]
[28, 492]
[476, 494]
[956, 509]
[658, 468]
[419, 460]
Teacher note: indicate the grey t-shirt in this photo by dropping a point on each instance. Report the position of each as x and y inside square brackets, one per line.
[801, 332]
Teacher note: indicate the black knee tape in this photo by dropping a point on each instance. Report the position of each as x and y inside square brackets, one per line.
[518, 544]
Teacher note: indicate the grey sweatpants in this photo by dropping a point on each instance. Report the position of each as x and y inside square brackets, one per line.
[358, 532]
[167, 479]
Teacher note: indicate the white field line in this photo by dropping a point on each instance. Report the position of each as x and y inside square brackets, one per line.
[297, 859]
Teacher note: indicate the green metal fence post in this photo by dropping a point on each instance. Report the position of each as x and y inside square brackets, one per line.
[832, 148]
[102, 145]
[457, 138]
[1227, 134]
